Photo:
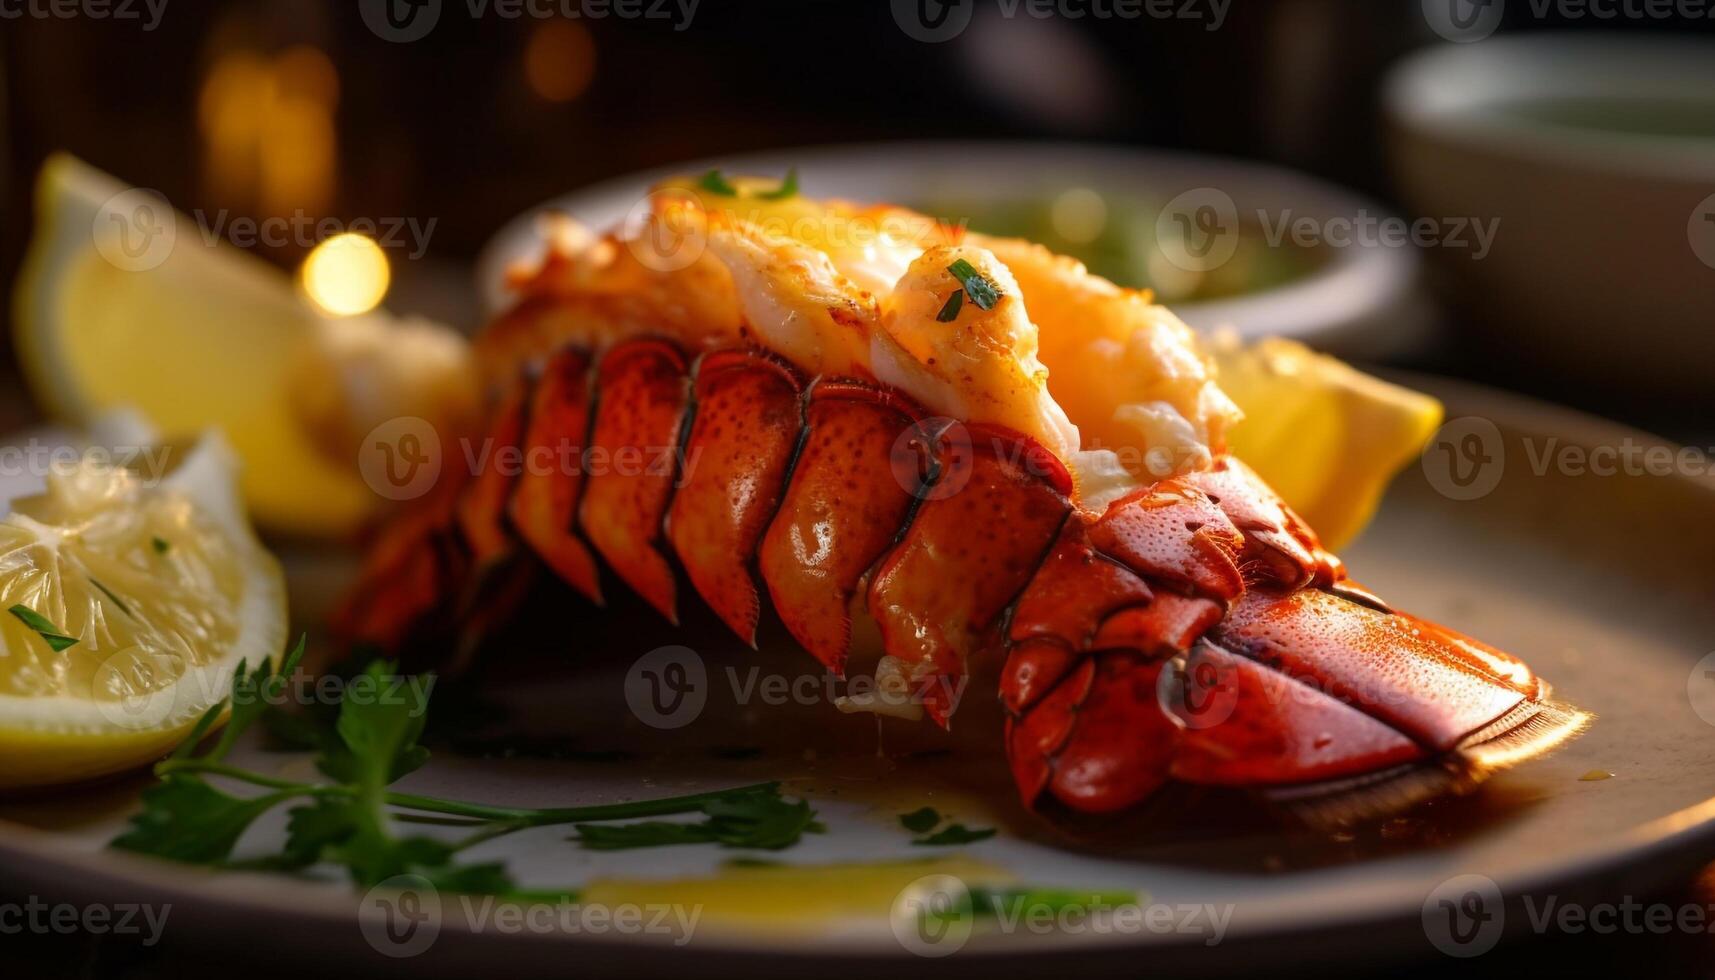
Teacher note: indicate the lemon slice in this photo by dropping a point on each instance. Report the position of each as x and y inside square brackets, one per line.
[1326, 436]
[125, 607]
[123, 302]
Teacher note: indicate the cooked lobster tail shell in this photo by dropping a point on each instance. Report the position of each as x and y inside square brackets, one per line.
[1195, 630]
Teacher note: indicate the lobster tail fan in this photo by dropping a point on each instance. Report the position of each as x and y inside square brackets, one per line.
[1518, 738]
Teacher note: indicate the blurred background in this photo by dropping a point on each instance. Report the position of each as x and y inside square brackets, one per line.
[1589, 164]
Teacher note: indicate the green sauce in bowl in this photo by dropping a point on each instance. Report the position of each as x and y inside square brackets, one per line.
[1115, 236]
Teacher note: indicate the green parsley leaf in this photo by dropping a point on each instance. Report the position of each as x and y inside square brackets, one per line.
[955, 303]
[956, 833]
[55, 637]
[252, 694]
[186, 819]
[788, 188]
[980, 288]
[920, 821]
[160, 545]
[714, 183]
[379, 732]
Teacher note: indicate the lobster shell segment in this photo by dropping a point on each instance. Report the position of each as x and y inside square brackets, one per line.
[642, 395]
[1264, 668]
[840, 513]
[545, 500]
[991, 507]
[737, 457]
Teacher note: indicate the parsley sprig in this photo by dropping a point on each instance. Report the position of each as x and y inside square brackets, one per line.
[348, 819]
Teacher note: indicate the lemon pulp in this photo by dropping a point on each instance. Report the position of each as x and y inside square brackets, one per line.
[125, 607]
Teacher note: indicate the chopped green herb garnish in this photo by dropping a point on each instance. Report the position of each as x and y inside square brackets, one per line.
[955, 834]
[955, 303]
[714, 183]
[348, 819]
[788, 188]
[55, 637]
[980, 288]
[160, 544]
[115, 599]
[920, 821]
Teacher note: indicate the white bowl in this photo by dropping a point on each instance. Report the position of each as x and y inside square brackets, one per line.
[1603, 264]
[1362, 301]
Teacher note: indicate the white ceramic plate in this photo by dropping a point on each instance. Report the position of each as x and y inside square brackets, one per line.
[1600, 582]
[1363, 303]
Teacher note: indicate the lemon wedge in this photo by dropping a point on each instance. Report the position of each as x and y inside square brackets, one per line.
[127, 601]
[125, 303]
[1326, 436]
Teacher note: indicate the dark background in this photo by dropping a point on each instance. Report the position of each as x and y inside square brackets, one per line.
[452, 127]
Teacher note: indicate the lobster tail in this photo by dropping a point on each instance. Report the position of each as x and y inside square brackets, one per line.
[1195, 630]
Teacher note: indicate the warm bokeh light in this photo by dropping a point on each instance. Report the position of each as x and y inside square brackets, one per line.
[559, 60]
[268, 129]
[346, 275]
